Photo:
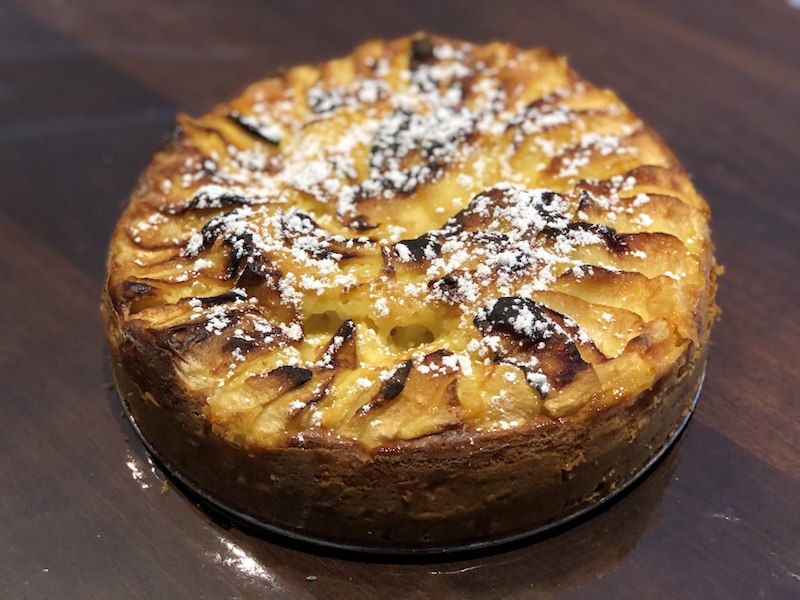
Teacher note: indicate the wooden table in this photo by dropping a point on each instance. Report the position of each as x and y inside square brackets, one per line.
[87, 90]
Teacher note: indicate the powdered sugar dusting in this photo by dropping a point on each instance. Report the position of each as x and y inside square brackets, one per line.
[397, 193]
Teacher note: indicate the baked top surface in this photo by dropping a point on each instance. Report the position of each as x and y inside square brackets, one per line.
[425, 235]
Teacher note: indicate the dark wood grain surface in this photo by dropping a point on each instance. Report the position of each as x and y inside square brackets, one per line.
[88, 89]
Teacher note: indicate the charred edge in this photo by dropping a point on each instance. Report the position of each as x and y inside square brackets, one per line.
[414, 177]
[382, 147]
[615, 242]
[324, 103]
[376, 187]
[420, 247]
[222, 298]
[322, 253]
[489, 237]
[504, 314]
[237, 118]
[390, 388]
[521, 262]
[669, 177]
[290, 376]
[303, 217]
[436, 357]
[533, 105]
[569, 362]
[242, 345]
[388, 146]
[241, 248]
[585, 201]
[560, 362]
[178, 339]
[421, 52]
[255, 271]
[321, 394]
[447, 286]
[203, 200]
[549, 211]
[559, 358]
[449, 282]
[346, 330]
[209, 233]
[136, 289]
[499, 197]
[539, 103]
[360, 223]
[463, 219]
[318, 395]
[549, 198]
[340, 352]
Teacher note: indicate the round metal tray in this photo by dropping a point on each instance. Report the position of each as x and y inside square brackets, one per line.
[249, 523]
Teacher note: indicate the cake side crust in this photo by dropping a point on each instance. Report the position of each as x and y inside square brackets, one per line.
[456, 487]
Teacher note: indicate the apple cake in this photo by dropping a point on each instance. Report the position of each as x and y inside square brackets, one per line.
[429, 294]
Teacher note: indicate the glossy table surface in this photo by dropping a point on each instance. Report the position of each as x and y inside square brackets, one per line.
[88, 88]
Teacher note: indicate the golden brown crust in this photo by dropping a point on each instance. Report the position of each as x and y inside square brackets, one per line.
[430, 264]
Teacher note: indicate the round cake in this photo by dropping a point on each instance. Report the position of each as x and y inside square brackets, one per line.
[430, 294]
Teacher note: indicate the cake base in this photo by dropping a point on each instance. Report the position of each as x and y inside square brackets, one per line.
[248, 522]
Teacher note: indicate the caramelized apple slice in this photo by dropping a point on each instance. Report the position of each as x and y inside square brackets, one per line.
[609, 327]
[647, 357]
[648, 212]
[649, 298]
[427, 404]
[647, 179]
[497, 397]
